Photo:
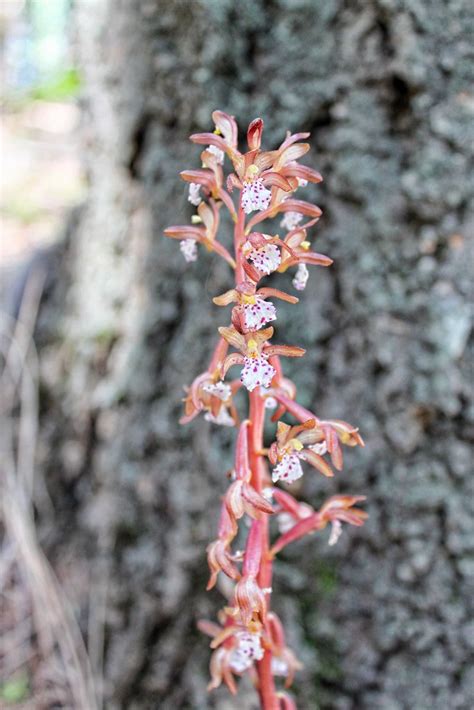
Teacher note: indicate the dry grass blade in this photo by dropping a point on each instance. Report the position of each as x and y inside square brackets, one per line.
[53, 651]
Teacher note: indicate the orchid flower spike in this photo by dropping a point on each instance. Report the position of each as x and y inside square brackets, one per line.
[259, 190]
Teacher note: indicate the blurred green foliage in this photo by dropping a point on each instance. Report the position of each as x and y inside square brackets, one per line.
[326, 577]
[63, 86]
[15, 690]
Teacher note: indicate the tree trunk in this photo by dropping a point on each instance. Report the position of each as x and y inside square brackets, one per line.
[381, 621]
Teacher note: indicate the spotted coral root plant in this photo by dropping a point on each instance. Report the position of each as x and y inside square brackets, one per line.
[250, 637]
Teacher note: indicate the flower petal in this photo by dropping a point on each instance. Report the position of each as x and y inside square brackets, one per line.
[258, 314]
[230, 361]
[288, 470]
[317, 462]
[290, 153]
[210, 139]
[257, 372]
[276, 180]
[184, 232]
[276, 293]
[285, 350]
[304, 527]
[250, 495]
[227, 126]
[234, 338]
[266, 259]
[255, 196]
[254, 134]
[225, 298]
[313, 258]
[302, 172]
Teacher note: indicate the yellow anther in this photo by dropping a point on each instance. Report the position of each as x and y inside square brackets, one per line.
[252, 171]
[196, 219]
[305, 245]
[254, 627]
[248, 299]
[295, 444]
[217, 131]
[252, 348]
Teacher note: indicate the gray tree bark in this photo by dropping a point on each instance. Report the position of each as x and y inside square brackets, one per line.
[384, 620]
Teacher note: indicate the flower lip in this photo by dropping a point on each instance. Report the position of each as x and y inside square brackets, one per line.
[289, 469]
[255, 196]
[257, 312]
[257, 372]
[266, 259]
[188, 248]
[248, 649]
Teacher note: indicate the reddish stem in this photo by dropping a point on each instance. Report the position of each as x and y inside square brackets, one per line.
[266, 684]
[239, 239]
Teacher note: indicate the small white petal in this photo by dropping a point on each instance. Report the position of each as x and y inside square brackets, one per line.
[291, 220]
[285, 522]
[270, 403]
[256, 372]
[336, 531]
[194, 197]
[257, 314]
[289, 469]
[223, 418]
[248, 649]
[301, 277]
[239, 663]
[279, 666]
[255, 196]
[188, 249]
[267, 493]
[220, 389]
[319, 449]
[266, 259]
[217, 152]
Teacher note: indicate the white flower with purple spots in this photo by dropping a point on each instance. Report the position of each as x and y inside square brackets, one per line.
[248, 649]
[288, 470]
[257, 372]
[291, 220]
[188, 248]
[193, 196]
[217, 152]
[221, 390]
[258, 313]
[301, 277]
[266, 259]
[255, 196]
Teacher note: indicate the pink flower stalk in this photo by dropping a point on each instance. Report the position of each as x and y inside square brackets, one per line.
[262, 184]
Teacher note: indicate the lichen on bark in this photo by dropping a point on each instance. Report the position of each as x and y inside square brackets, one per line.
[383, 87]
